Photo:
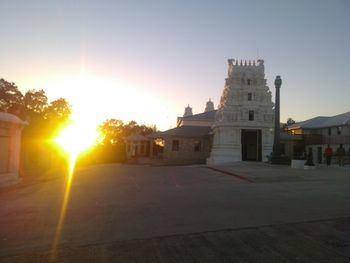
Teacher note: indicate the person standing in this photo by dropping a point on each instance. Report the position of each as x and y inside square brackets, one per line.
[341, 154]
[328, 153]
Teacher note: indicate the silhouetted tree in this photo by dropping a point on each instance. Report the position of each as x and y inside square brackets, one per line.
[145, 130]
[35, 100]
[113, 147]
[130, 128]
[290, 121]
[133, 128]
[35, 104]
[115, 130]
[58, 109]
[112, 130]
[11, 99]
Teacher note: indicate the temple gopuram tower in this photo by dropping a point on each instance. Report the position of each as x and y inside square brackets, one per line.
[244, 122]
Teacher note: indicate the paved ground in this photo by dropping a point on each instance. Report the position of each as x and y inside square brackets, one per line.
[244, 213]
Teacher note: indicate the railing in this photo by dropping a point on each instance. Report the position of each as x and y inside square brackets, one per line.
[336, 139]
[311, 139]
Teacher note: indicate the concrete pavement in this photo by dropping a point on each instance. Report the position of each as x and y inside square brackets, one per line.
[126, 206]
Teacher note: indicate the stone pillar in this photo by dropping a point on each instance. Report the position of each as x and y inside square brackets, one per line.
[126, 148]
[151, 148]
[276, 154]
[138, 152]
[266, 143]
[276, 141]
[15, 149]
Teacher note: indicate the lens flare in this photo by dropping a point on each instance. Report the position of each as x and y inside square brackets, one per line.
[73, 139]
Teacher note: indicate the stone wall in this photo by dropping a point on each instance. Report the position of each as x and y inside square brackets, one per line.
[186, 153]
[4, 148]
[10, 142]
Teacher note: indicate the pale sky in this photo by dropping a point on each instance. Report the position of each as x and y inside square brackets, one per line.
[146, 60]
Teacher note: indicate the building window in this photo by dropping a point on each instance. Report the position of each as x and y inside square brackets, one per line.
[248, 82]
[175, 146]
[197, 146]
[249, 96]
[338, 130]
[251, 115]
[329, 131]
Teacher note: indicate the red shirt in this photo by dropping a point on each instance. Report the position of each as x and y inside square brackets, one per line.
[328, 151]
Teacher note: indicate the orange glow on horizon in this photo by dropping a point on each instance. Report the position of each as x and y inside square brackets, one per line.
[97, 98]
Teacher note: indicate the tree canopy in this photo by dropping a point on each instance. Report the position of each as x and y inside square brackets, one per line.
[290, 121]
[11, 99]
[112, 148]
[115, 130]
[33, 105]
[35, 101]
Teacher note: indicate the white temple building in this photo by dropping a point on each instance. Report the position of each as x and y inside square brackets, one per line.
[240, 129]
[243, 127]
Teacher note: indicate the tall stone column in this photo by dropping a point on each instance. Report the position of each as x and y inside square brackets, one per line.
[276, 141]
[276, 154]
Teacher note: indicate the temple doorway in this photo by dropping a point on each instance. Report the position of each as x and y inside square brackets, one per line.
[251, 145]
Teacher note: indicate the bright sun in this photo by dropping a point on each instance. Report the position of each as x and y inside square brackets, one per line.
[76, 138]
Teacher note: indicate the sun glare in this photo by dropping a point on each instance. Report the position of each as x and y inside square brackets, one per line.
[76, 138]
[73, 139]
[97, 98]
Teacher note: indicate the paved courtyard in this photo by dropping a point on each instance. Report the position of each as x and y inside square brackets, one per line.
[248, 212]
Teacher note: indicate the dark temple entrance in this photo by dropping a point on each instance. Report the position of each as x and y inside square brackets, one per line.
[251, 145]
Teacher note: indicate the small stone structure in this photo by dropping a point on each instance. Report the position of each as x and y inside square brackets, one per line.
[186, 144]
[137, 146]
[10, 145]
